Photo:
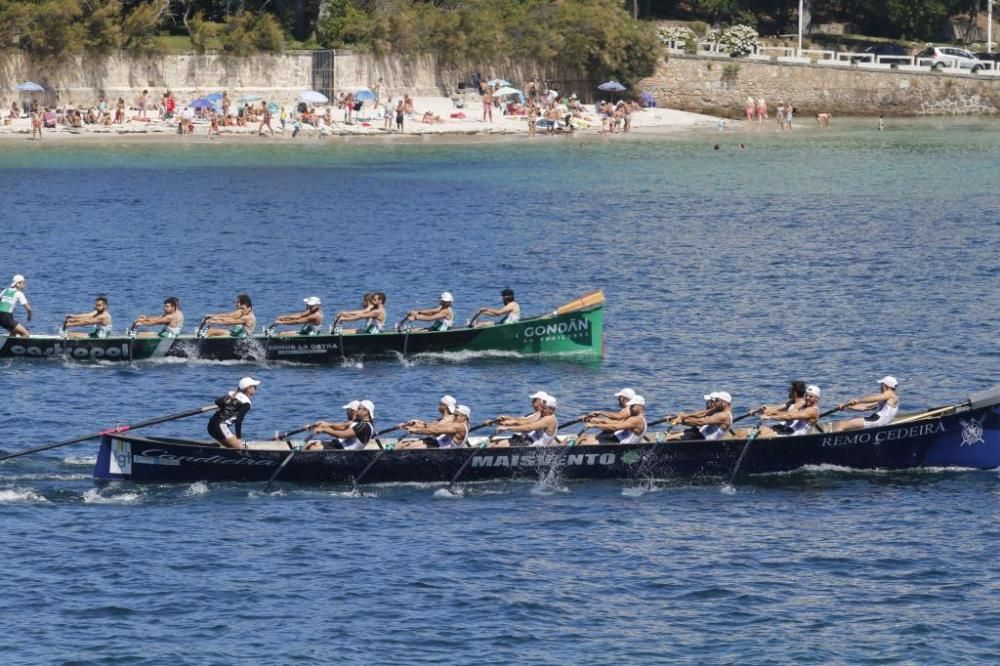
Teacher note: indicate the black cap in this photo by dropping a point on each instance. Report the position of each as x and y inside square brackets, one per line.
[507, 292]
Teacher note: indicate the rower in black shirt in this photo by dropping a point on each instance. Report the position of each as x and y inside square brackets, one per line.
[226, 425]
[352, 436]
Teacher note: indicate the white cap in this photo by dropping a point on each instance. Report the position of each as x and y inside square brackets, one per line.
[353, 404]
[625, 393]
[711, 396]
[724, 397]
[312, 300]
[464, 410]
[637, 400]
[540, 395]
[247, 382]
[17, 278]
[449, 402]
[369, 405]
[550, 401]
[446, 297]
[889, 381]
[812, 389]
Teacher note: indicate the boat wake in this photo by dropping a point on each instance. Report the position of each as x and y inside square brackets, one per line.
[107, 496]
[88, 460]
[196, 489]
[20, 495]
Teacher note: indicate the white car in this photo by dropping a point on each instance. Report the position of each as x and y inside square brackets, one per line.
[950, 56]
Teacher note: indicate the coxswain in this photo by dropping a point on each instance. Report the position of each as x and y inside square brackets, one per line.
[539, 432]
[172, 320]
[797, 418]
[226, 425]
[310, 319]
[99, 318]
[443, 315]
[709, 424]
[351, 436]
[242, 321]
[372, 312]
[446, 413]
[10, 298]
[455, 431]
[629, 430]
[623, 412]
[509, 312]
[885, 404]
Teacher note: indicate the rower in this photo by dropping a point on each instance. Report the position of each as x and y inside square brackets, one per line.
[540, 432]
[885, 403]
[10, 298]
[372, 312]
[226, 425]
[509, 312]
[628, 430]
[455, 431]
[242, 321]
[443, 315]
[99, 318]
[446, 414]
[172, 320]
[522, 438]
[710, 424]
[797, 419]
[310, 319]
[624, 410]
[795, 401]
[352, 436]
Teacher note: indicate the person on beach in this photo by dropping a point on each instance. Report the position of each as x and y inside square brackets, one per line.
[120, 111]
[372, 312]
[36, 124]
[443, 315]
[388, 108]
[779, 116]
[310, 319]
[761, 112]
[823, 119]
[400, 114]
[408, 104]
[789, 116]
[352, 436]
[711, 424]
[532, 118]
[446, 414]
[213, 126]
[629, 430]
[441, 434]
[487, 105]
[10, 298]
[99, 318]
[242, 321]
[881, 122]
[172, 320]
[226, 424]
[265, 119]
[142, 105]
[751, 110]
[377, 91]
[509, 312]
[885, 404]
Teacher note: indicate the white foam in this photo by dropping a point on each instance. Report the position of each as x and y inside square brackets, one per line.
[94, 496]
[444, 493]
[20, 495]
[46, 477]
[196, 489]
[89, 460]
[255, 494]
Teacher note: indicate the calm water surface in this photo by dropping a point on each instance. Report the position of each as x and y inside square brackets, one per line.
[834, 256]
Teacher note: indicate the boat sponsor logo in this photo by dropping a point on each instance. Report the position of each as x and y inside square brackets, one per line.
[572, 328]
[161, 457]
[77, 351]
[545, 460]
[121, 458]
[972, 431]
[300, 349]
[868, 437]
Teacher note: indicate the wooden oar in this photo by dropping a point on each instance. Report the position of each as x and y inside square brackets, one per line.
[746, 447]
[356, 480]
[924, 415]
[827, 413]
[113, 431]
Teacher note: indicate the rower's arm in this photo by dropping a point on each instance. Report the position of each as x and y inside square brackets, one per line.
[355, 315]
[609, 425]
[143, 320]
[84, 319]
[448, 428]
[426, 315]
[718, 418]
[794, 415]
[497, 312]
[295, 318]
[334, 429]
[27, 308]
[224, 317]
[534, 424]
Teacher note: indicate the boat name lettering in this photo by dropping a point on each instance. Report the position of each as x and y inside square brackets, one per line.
[573, 327]
[884, 435]
[543, 460]
[162, 455]
[81, 352]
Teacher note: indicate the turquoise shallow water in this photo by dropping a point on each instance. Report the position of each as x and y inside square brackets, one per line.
[835, 256]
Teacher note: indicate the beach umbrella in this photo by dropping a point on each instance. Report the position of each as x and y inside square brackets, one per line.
[202, 103]
[502, 82]
[612, 86]
[313, 97]
[364, 95]
[30, 86]
[250, 98]
[506, 90]
[213, 97]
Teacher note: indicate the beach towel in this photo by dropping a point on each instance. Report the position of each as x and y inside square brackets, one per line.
[458, 114]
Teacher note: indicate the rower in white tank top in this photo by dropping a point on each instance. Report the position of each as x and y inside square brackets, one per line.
[630, 436]
[883, 415]
[885, 403]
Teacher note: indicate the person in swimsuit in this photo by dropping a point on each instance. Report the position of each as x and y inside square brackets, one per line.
[10, 298]
[885, 404]
[265, 120]
[99, 318]
[242, 321]
[797, 419]
[751, 109]
[629, 430]
[372, 312]
[710, 424]
[509, 313]
[761, 112]
[351, 436]
[400, 115]
[444, 434]
[539, 432]
[310, 319]
[487, 105]
[443, 315]
[446, 414]
[226, 425]
[172, 320]
[36, 123]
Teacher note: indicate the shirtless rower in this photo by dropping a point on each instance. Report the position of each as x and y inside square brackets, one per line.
[372, 313]
[99, 318]
[541, 431]
[710, 424]
[226, 425]
[351, 436]
[310, 319]
[628, 430]
[242, 321]
[443, 315]
[885, 403]
[797, 419]
[509, 312]
[10, 298]
[172, 320]
[455, 432]
[446, 411]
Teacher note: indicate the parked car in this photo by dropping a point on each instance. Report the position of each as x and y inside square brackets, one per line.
[950, 56]
[988, 57]
[881, 50]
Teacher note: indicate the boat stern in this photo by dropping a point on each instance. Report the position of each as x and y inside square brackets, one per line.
[114, 459]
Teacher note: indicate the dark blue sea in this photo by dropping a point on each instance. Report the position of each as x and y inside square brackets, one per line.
[834, 256]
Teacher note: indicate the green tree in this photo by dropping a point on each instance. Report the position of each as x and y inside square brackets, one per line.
[141, 27]
[102, 25]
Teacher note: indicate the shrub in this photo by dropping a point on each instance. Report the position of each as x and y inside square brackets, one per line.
[739, 39]
[203, 32]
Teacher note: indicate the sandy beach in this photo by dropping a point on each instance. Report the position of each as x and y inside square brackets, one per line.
[449, 121]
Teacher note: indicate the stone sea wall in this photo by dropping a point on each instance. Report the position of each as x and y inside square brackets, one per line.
[720, 86]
